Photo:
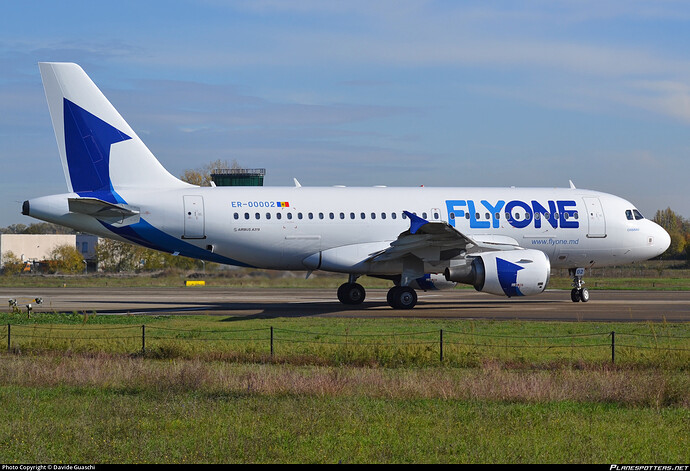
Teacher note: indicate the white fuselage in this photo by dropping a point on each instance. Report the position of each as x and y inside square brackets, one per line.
[282, 227]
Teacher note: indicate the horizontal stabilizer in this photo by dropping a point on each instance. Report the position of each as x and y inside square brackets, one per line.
[114, 214]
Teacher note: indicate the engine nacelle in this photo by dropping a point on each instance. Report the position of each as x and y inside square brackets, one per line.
[432, 281]
[505, 273]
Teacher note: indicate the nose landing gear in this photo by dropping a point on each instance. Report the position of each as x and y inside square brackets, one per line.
[579, 292]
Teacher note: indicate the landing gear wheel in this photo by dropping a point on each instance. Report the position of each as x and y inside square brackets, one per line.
[351, 293]
[575, 295]
[584, 295]
[579, 292]
[402, 297]
[390, 295]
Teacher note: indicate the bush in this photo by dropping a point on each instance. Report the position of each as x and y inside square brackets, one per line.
[66, 259]
[12, 265]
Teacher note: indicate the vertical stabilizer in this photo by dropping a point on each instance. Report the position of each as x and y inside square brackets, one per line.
[100, 152]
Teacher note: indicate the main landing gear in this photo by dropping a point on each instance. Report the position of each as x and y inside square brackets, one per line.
[351, 293]
[579, 292]
[399, 297]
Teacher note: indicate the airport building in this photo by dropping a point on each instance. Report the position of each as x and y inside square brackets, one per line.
[35, 248]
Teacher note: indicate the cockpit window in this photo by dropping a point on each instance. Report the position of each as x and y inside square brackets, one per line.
[637, 214]
[629, 215]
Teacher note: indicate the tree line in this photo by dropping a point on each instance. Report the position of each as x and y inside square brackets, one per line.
[679, 229]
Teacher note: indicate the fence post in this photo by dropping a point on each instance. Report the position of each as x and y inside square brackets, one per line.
[143, 339]
[613, 347]
[271, 340]
[441, 344]
[8, 338]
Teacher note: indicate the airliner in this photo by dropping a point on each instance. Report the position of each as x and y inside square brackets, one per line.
[502, 241]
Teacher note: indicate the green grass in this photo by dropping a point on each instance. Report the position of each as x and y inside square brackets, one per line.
[77, 388]
[362, 342]
[651, 275]
[181, 418]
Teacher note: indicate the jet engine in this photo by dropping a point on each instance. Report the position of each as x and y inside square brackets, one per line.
[505, 273]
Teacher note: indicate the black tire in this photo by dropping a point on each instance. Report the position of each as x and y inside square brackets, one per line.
[584, 295]
[390, 297]
[351, 293]
[575, 295]
[403, 297]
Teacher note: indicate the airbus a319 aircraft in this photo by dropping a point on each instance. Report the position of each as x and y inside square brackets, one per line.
[503, 241]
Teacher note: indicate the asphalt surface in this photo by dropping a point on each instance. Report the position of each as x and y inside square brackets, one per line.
[604, 305]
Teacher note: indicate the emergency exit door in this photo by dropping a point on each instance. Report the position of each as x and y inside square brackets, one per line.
[194, 217]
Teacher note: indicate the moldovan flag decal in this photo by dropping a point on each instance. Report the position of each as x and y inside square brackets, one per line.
[283, 204]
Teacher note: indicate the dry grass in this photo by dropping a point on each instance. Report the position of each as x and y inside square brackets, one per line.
[493, 381]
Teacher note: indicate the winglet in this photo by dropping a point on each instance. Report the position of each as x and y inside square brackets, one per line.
[415, 222]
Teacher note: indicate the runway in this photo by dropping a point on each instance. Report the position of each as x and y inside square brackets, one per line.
[605, 305]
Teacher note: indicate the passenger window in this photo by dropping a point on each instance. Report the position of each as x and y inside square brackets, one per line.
[279, 216]
[394, 215]
[352, 215]
[299, 215]
[257, 216]
[342, 215]
[467, 215]
[362, 216]
[452, 215]
[236, 216]
[498, 215]
[404, 216]
[383, 215]
[331, 216]
[423, 215]
[311, 215]
[246, 215]
[436, 216]
[320, 215]
[268, 215]
[289, 215]
[373, 215]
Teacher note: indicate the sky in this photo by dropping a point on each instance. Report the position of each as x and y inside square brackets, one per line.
[362, 93]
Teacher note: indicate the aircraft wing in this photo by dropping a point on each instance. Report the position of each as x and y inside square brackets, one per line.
[434, 241]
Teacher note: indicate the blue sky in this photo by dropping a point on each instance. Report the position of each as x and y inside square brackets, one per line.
[397, 93]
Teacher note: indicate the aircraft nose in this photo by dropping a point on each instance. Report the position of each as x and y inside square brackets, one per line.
[662, 240]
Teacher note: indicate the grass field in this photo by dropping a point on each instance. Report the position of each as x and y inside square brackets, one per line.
[654, 275]
[74, 388]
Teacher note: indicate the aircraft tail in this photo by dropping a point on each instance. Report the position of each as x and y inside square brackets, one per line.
[100, 152]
